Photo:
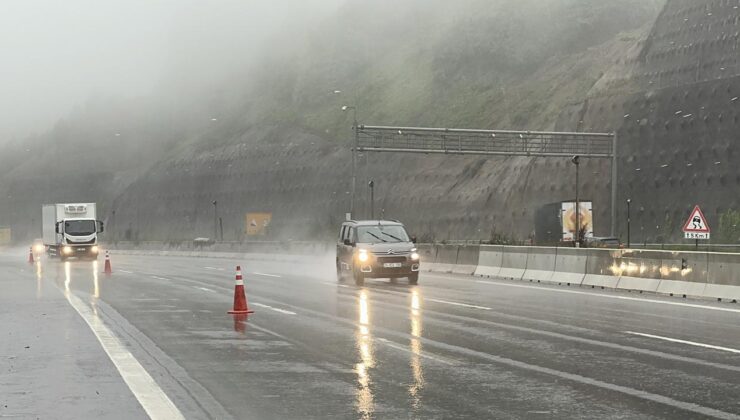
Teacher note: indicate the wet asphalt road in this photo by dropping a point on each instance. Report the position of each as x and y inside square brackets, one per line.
[452, 347]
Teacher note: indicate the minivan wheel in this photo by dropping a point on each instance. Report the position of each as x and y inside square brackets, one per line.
[414, 278]
[340, 273]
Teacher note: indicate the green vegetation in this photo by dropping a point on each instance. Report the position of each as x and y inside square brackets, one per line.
[729, 227]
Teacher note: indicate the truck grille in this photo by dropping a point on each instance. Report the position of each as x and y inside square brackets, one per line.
[91, 241]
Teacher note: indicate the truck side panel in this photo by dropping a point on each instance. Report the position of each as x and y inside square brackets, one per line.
[48, 224]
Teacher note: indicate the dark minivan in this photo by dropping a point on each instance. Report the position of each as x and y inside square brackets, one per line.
[376, 249]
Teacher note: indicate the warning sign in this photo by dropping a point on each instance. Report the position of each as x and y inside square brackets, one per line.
[696, 227]
[257, 223]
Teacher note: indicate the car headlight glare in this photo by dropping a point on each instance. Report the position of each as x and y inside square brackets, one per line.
[38, 248]
[67, 250]
[362, 256]
[414, 256]
[94, 249]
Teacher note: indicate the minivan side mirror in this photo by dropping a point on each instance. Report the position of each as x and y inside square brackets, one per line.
[348, 242]
[101, 227]
[413, 238]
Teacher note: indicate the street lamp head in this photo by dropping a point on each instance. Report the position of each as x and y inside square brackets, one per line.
[576, 159]
[371, 184]
[215, 202]
[629, 200]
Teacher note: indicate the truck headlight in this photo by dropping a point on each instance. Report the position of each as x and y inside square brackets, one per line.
[414, 256]
[67, 250]
[94, 249]
[362, 256]
[38, 248]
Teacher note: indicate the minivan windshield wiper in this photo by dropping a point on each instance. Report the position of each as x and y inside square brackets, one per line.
[376, 237]
[394, 237]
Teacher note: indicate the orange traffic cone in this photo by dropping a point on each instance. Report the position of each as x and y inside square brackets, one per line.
[107, 269]
[240, 298]
[30, 255]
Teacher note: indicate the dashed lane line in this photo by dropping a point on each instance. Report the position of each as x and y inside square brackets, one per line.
[266, 275]
[465, 305]
[690, 343]
[282, 311]
[205, 289]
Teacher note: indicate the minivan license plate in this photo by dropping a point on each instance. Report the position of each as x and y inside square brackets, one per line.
[392, 265]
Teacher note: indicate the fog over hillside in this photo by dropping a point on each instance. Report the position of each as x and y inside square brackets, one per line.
[58, 55]
[182, 83]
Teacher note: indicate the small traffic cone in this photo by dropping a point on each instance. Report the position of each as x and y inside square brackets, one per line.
[107, 269]
[240, 298]
[30, 255]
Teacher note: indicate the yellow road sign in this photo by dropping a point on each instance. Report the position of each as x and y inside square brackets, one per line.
[256, 223]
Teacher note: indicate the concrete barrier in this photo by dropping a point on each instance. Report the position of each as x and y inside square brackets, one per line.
[639, 270]
[489, 260]
[679, 281]
[445, 257]
[601, 268]
[427, 254]
[467, 259]
[570, 266]
[540, 264]
[723, 277]
[513, 262]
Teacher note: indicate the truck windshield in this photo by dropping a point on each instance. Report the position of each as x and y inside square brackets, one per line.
[79, 227]
[378, 234]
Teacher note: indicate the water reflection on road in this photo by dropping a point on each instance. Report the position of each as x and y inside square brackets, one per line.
[416, 366]
[365, 402]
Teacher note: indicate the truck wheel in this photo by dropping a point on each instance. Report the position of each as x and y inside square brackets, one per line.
[414, 278]
[359, 278]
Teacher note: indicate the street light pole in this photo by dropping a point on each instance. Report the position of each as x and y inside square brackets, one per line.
[215, 220]
[629, 200]
[355, 129]
[576, 161]
[371, 184]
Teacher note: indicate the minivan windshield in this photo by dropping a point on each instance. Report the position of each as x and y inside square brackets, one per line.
[381, 233]
[79, 227]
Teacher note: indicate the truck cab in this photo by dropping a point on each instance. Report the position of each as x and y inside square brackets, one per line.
[71, 230]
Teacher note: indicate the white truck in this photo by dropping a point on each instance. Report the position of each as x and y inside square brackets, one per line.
[71, 230]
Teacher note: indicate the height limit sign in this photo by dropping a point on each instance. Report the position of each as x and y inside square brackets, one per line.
[696, 227]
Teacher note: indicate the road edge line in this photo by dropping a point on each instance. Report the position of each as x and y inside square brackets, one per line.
[146, 390]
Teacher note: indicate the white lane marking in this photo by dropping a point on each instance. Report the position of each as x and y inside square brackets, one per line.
[151, 397]
[575, 292]
[266, 275]
[691, 343]
[126, 271]
[159, 278]
[327, 283]
[485, 308]
[205, 289]
[282, 311]
[421, 354]
[214, 268]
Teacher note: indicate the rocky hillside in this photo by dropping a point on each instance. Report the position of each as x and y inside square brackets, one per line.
[277, 142]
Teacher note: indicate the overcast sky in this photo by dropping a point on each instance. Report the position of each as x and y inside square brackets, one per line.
[56, 54]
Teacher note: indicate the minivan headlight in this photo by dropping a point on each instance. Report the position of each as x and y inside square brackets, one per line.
[415, 256]
[362, 256]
